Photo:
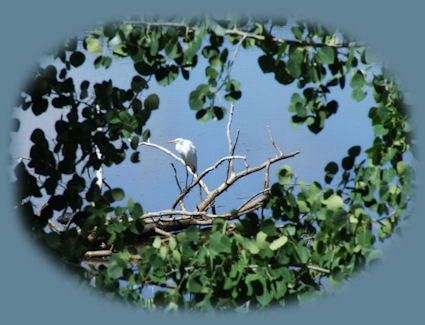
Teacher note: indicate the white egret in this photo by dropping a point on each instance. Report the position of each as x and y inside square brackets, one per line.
[187, 151]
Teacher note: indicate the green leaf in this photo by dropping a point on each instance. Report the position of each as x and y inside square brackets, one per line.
[281, 74]
[347, 162]
[204, 115]
[172, 50]
[156, 242]
[334, 202]
[146, 135]
[326, 55]
[93, 45]
[266, 63]
[77, 58]
[278, 243]
[389, 174]
[134, 142]
[364, 237]
[166, 75]
[354, 151]
[218, 112]
[380, 130]
[260, 240]
[192, 233]
[120, 50]
[117, 194]
[336, 278]
[117, 265]
[285, 175]
[192, 47]
[134, 158]
[357, 80]
[298, 32]
[136, 211]
[219, 243]
[152, 102]
[115, 271]
[138, 84]
[303, 253]
[268, 226]
[197, 97]
[172, 243]
[358, 94]
[218, 30]
[251, 246]
[193, 285]
[402, 167]
[294, 62]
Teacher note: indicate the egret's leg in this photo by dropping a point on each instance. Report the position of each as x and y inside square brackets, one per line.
[187, 176]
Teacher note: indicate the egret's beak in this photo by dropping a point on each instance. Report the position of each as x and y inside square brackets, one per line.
[172, 141]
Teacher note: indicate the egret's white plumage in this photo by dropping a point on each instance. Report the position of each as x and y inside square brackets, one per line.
[187, 151]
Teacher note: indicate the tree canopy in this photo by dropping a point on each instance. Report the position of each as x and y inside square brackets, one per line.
[289, 241]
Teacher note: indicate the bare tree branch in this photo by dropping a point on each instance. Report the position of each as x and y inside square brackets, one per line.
[272, 140]
[229, 140]
[266, 181]
[163, 232]
[223, 187]
[252, 197]
[54, 225]
[200, 176]
[178, 185]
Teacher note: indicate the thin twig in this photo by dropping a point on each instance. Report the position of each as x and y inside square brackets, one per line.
[235, 53]
[178, 185]
[68, 224]
[272, 140]
[229, 140]
[317, 268]
[253, 197]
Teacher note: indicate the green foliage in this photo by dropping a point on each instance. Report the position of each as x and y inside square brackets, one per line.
[305, 232]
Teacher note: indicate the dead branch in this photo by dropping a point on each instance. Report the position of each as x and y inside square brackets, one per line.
[252, 197]
[223, 187]
[272, 140]
[54, 225]
[229, 140]
[202, 175]
[178, 185]
[163, 232]
[266, 181]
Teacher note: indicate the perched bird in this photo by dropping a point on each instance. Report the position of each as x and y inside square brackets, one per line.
[187, 151]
